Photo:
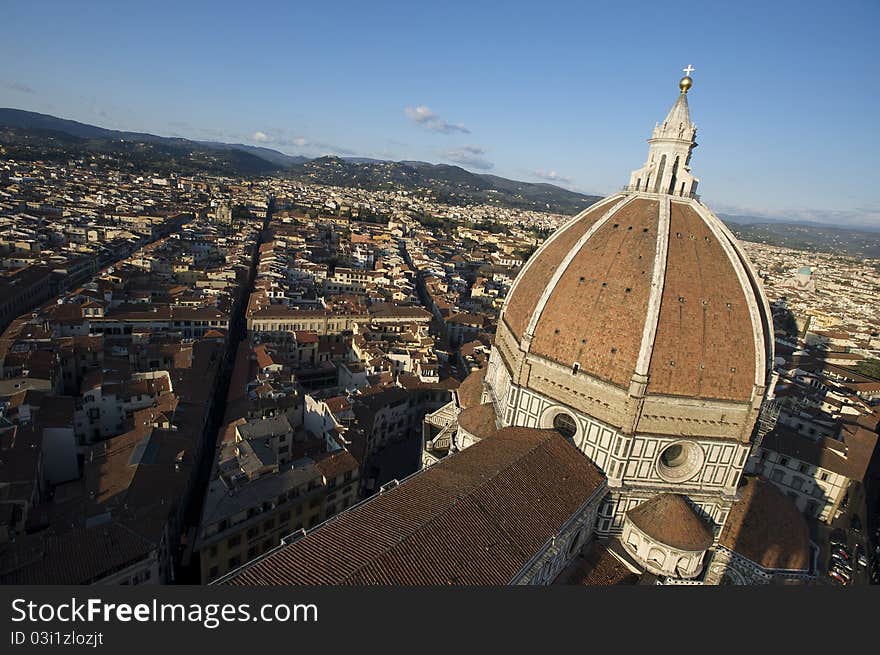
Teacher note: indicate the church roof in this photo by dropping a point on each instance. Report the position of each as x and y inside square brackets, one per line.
[478, 420]
[474, 518]
[669, 519]
[766, 527]
[471, 388]
[649, 284]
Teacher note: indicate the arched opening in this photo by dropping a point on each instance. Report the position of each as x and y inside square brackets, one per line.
[674, 177]
[656, 557]
[565, 425]
[660, 174]
[638, 184]
[681, 566]
[633, 541]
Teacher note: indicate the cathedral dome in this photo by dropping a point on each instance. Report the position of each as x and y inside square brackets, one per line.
[645, 285]
[644, 295]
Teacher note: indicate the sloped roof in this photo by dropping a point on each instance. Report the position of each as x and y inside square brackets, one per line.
[766, 527]
[471, 389]
[474, 518]
[478, 420]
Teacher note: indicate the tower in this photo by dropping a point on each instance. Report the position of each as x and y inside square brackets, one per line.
[669, 155]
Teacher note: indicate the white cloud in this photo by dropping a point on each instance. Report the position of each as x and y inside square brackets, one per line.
[472, 156]
[279, 137]
[431, 121]
[552, 176]
[18, 86]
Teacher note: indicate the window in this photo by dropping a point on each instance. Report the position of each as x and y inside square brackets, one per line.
[823, 477]
[565, 425]
[797, 483]
[232, 542]
[777, 475]
[783, 461]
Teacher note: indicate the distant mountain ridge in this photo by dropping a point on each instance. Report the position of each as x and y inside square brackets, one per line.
[445, 182]
[852, 242]
[59, 138]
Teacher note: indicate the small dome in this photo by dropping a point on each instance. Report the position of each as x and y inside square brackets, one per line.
[670, 520]
[478, 420]
[471, 389]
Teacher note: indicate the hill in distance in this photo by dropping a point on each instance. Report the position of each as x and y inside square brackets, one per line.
[30, 135]
[850, 242]
[446, 183]
[51, 137]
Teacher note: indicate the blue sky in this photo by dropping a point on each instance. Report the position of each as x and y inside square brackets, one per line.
[785, 93]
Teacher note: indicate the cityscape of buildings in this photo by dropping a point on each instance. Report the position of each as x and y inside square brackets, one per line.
[263, 380]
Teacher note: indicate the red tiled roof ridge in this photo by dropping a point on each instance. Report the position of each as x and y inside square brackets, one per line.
[469, 494]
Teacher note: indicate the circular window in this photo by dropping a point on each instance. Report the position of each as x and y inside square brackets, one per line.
[565, 425]
[680, 461]
[673, 456]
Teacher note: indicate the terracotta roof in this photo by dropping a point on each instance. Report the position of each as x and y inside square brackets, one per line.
[78, 557]
[478, 420]
[540, 268]
[766, 527]
[474, 518]
[850, 456]
[471, 389]
[334, 465]
[599, 568]
[595, 314]
[705, 345]
[670, 519]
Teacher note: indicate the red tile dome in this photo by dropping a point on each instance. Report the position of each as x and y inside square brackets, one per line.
[646, 287]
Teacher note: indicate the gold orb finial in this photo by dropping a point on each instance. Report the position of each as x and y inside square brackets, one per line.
[686, 82]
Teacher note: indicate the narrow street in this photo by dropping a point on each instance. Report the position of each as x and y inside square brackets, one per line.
[188, 567]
